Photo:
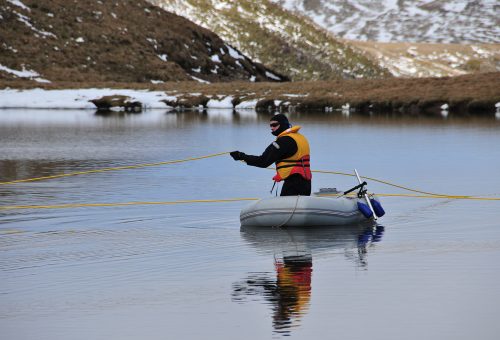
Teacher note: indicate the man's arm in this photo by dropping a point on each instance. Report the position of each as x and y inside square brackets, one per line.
[282, 148]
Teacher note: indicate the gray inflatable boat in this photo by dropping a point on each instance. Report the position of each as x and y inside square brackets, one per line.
[315, 210]
[328, 207]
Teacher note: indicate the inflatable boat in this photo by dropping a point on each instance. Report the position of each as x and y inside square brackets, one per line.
[327, 207]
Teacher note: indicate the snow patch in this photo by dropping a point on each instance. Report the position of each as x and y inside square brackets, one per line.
[224, 103]
[25, 20]
[272, 76]
[24, 74]
[295, 95]
[200, 80]
[235, 54]
[455, 6]
[481, 51]
[76, 99]
[222, 5]
[248, 104]
[41, 80]
[19, 4]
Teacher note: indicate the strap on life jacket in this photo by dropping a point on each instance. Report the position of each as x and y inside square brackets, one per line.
[299, 166]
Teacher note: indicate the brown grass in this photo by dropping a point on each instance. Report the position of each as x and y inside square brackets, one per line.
[113, 41]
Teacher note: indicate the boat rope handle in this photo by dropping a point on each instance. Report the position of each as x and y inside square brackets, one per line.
[291, 215]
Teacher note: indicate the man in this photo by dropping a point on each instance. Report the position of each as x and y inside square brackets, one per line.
[290, 152]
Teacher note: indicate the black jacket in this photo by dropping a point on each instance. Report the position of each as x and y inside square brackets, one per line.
[282, 148]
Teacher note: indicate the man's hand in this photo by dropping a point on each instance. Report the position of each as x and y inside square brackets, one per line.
[237, 156]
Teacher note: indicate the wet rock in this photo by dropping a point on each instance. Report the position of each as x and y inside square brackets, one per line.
[188, 102]
[112, 103]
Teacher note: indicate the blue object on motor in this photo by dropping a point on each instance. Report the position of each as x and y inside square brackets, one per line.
[377, 207]
[365, 209]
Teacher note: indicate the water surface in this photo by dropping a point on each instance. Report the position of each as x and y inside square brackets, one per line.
[429, 270]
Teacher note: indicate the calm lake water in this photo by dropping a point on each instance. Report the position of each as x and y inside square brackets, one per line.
[430, 270]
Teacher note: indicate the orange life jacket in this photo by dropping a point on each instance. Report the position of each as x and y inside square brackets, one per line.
[298, 163]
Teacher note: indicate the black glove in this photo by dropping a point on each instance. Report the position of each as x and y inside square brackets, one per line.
[237, 156]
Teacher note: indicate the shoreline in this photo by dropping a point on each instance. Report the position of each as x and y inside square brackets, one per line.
[468, 94]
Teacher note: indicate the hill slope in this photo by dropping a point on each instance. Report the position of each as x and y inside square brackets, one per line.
[432, 60]
[431, 21]
[117, 41]
[285, 42]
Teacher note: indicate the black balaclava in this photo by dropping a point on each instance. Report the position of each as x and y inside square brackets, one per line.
[284, 124]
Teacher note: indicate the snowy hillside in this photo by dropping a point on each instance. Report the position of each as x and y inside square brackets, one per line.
[433, 60]
[114, 41]
[287, 43]
[443, 21]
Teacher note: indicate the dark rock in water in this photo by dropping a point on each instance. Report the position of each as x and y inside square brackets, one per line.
[188, 102]
[266, 105]
[107, 103]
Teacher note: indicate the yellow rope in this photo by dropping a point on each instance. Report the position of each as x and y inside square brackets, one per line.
[120, 204]
[136, 166]
[383, 182]
[443, 196]
[454, 197]
[125, 167]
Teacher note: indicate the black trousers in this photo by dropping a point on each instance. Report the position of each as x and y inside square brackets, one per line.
[296, 185]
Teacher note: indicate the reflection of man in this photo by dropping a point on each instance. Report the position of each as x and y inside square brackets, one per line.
[290, 152]
[289, 294]
[288, 291]
[293, 286]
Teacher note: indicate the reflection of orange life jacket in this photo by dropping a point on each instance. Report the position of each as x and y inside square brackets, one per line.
[298, 163]
[298, 278]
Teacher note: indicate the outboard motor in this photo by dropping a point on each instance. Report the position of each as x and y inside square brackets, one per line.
[370, 208]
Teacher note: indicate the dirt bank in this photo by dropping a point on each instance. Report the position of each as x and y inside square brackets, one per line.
[476, 94]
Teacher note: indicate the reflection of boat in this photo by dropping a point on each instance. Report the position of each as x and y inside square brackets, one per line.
[288, 291]
[299, 241]
[305, 211]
